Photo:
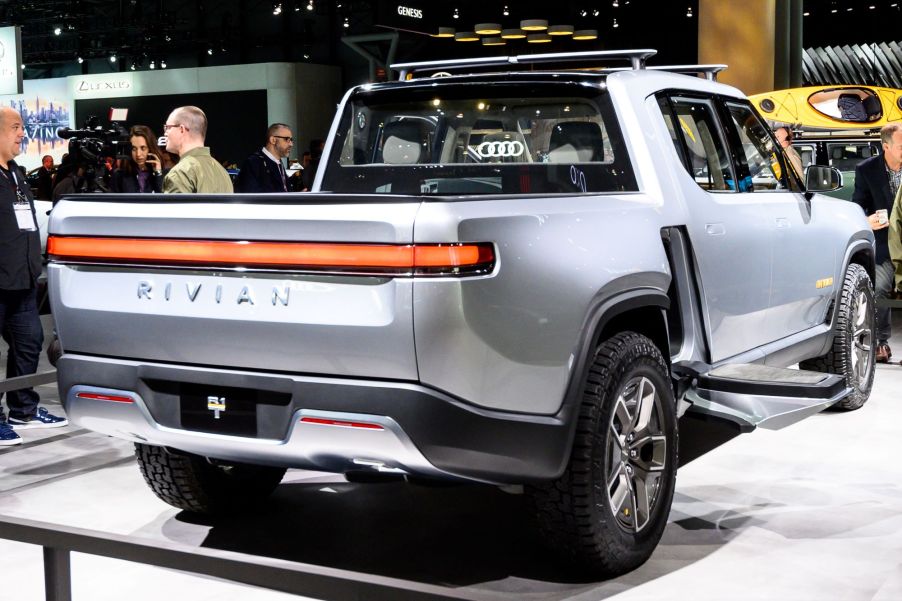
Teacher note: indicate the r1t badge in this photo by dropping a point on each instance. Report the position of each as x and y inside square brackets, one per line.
[216, 404]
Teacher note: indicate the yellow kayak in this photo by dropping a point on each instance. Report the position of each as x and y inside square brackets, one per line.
[833, 107]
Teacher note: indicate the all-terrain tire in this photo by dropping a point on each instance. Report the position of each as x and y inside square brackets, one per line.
[852, 353]
[196, 484]
[625, 444]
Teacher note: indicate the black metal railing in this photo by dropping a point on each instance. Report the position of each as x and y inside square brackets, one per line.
[329, 584]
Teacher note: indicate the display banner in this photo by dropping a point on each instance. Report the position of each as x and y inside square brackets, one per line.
[10, 65]
[45, 107]
[411, 15]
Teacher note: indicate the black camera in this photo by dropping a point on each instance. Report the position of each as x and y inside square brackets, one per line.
[90, 146]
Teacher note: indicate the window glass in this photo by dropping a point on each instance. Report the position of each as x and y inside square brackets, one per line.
[846, 155]
[759, 149]
[808, 154]
[473, 140]
[664, 105]
[709, 163]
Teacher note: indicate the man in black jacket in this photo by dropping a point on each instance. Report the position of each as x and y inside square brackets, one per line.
[876, 182]
[45, 178]
[263, 170]
[20, 266]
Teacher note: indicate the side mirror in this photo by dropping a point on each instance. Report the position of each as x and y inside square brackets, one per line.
[819, 178]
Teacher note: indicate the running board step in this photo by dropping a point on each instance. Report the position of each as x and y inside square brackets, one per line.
[752, 395]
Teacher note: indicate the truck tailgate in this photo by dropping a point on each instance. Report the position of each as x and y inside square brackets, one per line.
[270, 317]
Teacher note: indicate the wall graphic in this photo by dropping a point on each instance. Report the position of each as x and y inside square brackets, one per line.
[45, 106]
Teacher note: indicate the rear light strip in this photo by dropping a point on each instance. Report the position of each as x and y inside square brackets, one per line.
[104, 397]
[399, 259]
[337, 422]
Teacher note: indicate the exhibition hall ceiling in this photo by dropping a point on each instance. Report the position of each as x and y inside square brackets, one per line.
[64, 37]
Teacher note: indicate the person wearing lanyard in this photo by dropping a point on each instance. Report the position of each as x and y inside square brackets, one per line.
[20, 266]
[263, 170]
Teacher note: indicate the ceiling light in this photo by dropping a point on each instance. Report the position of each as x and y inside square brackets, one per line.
[168, 38]
[506, 11]
[615, 4]
[153, 65]
[534, 24]
[583, 12]
[512, 34]
[689, 12]
[538, 38]
[493, 42]
[57, 30]
[833, 11]
[112, 58]
[310, 5]
[445, 32]
[210, 51]
[805, 14]
[346, 23]
[277, 8]
[596, 12]
[133, 67]
[850, 9]
[456, 14]
[585, 34]
[488, 28]
[22, 66]
[465, 36]
[163, 63]
[560, 30]
[615, 25]
[79, 59]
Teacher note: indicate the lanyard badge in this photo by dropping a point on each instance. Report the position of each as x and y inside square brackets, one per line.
[24, 217]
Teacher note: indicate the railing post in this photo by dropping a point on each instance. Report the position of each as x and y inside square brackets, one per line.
[57, 575]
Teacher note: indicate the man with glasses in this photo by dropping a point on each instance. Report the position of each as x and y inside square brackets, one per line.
[196, 171]
[20, 266]
[263, 171]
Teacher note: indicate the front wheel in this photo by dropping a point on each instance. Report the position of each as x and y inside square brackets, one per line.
[608, 510]
[201, 485]
[852, 353]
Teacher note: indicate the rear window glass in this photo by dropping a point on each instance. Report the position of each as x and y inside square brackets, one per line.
[477, 139]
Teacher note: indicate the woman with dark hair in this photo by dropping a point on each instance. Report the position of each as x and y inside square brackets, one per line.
[143, 171]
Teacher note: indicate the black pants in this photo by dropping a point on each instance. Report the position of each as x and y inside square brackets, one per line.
[22, 330]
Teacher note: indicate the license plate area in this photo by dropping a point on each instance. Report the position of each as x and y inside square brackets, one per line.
[222, 409]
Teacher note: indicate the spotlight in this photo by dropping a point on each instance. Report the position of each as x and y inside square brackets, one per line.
[162, 64]
[210, 51]
[153, 64]
[616, 25]
[133, 67]
[456, 14]
[583, 13]
[689, 12]
[112, 58]
[168, 38]
[306, 57]
[506, 11]
[615, 4]
[79, 59]
[57, 30]
[277, 8]
[23, 66]
[310, 5]
[596, 12]
[346, 24]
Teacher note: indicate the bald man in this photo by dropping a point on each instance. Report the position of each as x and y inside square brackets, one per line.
[196, 171]
[20, 266]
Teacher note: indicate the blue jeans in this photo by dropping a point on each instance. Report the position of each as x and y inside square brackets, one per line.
[883, 288]
[22, 330]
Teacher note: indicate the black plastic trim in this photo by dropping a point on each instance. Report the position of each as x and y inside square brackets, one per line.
[829, 387]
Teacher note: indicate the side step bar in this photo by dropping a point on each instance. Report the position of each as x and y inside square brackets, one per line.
[752, 395]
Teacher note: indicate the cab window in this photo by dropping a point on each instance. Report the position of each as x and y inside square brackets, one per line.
[699, 138]
[762, 167]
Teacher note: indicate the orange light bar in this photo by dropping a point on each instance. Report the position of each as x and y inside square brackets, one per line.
[428, 259]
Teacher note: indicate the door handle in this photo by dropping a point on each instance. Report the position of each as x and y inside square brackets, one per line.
[715, 229]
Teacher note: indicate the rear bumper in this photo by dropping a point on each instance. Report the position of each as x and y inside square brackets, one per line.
[423, 431]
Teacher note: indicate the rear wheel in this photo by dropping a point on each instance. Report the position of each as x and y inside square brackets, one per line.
[608, 510]
[852, 353]
[195, 483]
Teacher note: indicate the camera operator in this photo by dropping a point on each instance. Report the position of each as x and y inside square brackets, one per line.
[142, 171]
[92, 154]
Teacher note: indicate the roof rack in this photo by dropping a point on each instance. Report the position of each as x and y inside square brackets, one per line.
[709, 71]
[636, 58]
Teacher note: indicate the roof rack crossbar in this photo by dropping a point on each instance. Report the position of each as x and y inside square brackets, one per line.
[709, 71]
[636, 59]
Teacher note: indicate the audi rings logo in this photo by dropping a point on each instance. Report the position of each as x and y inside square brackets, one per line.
[508, 148]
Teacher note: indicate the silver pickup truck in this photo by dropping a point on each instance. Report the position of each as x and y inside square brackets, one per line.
[522, 277]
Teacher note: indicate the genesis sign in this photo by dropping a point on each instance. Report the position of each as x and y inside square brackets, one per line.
[406, 11]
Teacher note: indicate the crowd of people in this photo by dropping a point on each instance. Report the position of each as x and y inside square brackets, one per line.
[154, 169]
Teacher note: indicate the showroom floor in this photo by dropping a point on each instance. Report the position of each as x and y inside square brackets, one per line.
[810, 512]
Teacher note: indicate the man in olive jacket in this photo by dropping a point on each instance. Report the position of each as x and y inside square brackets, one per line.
[196, 171]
